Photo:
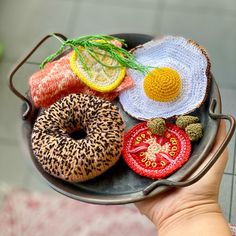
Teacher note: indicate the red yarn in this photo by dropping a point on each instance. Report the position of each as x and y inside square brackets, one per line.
[155, 156]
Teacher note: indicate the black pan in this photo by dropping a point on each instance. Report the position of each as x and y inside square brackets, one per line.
[120, 185]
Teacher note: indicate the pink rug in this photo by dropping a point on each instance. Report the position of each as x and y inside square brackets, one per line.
[43, 214]
[25, 213]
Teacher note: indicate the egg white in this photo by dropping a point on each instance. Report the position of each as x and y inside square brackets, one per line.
[175, 53]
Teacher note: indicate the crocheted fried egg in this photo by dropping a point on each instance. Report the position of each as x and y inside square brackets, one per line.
[176, 82]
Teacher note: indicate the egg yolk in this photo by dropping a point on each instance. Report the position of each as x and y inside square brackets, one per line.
[162, 84]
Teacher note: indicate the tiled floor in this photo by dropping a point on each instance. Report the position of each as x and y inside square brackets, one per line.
[211, 23]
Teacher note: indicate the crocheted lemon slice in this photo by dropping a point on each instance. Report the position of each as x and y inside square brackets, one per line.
[96, 76]
[162, 84]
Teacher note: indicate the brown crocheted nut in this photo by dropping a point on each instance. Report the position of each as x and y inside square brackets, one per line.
[194, 131]
[157, 126]
[183, 121]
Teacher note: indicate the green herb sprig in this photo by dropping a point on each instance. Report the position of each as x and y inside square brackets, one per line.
[91, 44]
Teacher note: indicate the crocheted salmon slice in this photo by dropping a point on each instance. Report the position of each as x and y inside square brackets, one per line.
[53, 82]
[97, 76]
[57, 80]
[155, 156]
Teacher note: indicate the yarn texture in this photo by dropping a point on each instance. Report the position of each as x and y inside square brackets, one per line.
[188, 59]
[156, 156]
[162, 84]
[98, 77]
[78, 160]
[157, 126]
[194, 131]
[184, 121]
[57, 80]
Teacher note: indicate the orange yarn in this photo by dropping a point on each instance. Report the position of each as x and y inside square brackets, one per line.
[57, 80]
[53, 82]
[162, 84]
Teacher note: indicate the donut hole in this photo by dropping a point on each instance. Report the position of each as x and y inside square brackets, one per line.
[78, 134]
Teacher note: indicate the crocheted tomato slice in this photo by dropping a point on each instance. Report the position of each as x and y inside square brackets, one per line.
[155, 156]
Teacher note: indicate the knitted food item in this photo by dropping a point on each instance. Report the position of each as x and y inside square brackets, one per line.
[184, 121]
[96, 65]
[53, 82]
[97, 77]
[194, 132]
[157, 126]
[155, 156]
[183, 88]
[57, 80]
[77, 160]
[162, 84]
[126, 84]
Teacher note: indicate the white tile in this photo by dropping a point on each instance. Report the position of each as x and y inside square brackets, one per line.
[130, 3]
[38, 183]
[231, 150]
[233, 209]
[215, 32]
[122, 18]
[209, 5]
[13, 166]
[228, 97]
[10, 105]
[225, 195]
[24, 23]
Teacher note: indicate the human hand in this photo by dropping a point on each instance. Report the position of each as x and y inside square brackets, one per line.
[177, 206]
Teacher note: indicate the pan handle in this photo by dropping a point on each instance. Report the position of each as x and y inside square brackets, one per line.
[16, 68]
[212, 161]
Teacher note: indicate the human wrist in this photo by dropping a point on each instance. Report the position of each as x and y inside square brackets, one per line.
[196, 220]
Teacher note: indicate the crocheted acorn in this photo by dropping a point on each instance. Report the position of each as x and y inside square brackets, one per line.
[194, 132]
[184, 121]
[163, 92]
[156, 156]
[162, 84]
[157, 126]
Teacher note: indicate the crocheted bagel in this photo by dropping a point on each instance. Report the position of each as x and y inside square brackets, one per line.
[77, 160]
[176, 84]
